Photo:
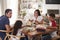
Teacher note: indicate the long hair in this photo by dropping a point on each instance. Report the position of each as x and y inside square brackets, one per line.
[17, 25]
[38, 11]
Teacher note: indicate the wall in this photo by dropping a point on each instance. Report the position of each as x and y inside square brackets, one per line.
[53, 6]
[0, 7]
[50, 6]
[13, 4]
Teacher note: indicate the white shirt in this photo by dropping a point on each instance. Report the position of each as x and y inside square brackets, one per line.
[39, 18]
[19, 33]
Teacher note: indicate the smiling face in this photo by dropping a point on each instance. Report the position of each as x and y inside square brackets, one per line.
[35, 13]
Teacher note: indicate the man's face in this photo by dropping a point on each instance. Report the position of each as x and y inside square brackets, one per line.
[9, 14]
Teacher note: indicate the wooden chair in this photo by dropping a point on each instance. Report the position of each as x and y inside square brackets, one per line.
[9, 36]
[4, 32]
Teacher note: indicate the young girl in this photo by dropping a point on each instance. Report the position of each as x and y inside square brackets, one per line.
[17, 30]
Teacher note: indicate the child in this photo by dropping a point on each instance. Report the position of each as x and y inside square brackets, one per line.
[17, 30]
[52, 24]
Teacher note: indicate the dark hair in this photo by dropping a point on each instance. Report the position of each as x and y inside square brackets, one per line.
[7, 10]
[38, 11]
[52, 15]
[17, 25]
[46, 14]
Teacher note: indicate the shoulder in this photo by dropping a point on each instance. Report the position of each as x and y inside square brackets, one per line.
[6, 18]
[53, 21]
[3, 17]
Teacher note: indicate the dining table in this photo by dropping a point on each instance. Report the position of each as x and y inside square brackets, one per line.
[32, 35]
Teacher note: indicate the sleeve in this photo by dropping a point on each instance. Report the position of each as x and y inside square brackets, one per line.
[6, 21]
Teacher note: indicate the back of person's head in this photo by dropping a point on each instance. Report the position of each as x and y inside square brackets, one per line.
[7, 11]
[17, 25]
[52, 15]
[46, 14]
[38, 11]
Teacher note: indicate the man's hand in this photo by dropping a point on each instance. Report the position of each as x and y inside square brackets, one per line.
[7, 28]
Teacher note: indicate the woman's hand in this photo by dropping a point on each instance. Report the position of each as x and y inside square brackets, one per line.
[37, 22]
[30, 20]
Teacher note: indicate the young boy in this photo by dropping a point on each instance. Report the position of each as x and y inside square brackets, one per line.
[52, 24]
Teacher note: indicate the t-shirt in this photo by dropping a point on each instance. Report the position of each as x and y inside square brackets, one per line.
[19, 33]
[39, 18]
[53, 23]
[3, 21]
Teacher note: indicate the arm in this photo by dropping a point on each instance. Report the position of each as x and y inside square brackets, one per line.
[41, 22]
[52, 27]
[7, 24]
[7, 28]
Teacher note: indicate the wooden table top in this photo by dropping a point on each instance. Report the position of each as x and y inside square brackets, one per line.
[33, 33]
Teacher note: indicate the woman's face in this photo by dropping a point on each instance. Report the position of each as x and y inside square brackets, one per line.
[35, 13]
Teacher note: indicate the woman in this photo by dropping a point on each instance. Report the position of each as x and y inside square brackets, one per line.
[37, 19]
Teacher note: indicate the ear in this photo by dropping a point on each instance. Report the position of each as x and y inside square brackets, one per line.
[5, 13]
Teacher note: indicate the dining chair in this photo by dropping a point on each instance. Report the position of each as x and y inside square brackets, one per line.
[13, 36]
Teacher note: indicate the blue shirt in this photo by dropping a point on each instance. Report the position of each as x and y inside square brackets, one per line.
[3, 21]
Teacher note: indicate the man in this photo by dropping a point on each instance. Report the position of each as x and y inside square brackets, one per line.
[4, 22]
